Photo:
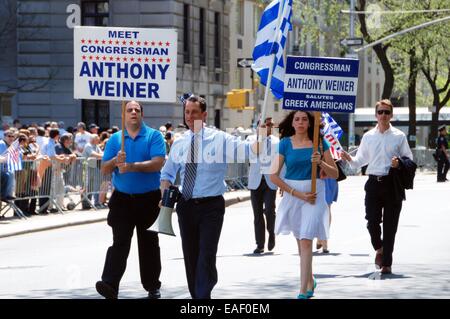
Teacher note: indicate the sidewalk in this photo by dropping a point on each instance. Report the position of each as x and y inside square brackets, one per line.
[14, 226]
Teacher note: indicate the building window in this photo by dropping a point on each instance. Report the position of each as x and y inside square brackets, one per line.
[186, 42]
[217, 46]
[377, 91]
[369, 94]
[368, 70]
[240, 17]
[96, 111]
[5, 104]
[95, 13]
[202, 37]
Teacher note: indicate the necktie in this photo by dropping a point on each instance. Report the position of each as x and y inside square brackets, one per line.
[190, 170]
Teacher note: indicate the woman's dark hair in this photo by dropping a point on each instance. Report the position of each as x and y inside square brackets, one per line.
[287, 130]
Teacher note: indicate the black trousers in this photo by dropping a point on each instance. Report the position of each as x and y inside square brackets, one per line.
[127, 212]
[200, 223]
[382, 208]
[442, 166]
[263, 203]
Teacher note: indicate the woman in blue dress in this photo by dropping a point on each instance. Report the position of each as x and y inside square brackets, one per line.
[301, 212]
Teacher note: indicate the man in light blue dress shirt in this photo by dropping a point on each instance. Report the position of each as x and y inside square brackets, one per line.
[200, 155]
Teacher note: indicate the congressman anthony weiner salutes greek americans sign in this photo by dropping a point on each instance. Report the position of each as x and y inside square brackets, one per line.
[320, 84]
[125, 64]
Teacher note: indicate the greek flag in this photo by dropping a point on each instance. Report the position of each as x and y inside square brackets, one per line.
[269, 41]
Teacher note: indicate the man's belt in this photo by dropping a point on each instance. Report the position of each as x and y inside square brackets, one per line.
[379, 178]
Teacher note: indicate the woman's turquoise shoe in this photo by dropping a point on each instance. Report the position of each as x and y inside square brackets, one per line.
[302, 296]
[310, 293]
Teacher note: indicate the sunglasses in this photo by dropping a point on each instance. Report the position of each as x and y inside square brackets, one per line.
[387, 112]
[9, 135]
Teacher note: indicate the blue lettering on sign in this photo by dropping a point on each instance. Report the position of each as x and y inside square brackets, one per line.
[123, 34]
[124, 70]
[129, 90]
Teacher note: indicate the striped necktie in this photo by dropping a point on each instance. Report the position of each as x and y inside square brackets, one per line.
[190, 170]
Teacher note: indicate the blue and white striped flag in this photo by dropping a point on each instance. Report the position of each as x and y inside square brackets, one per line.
[269, 42]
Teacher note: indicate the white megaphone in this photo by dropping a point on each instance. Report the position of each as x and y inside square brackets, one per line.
[163, 223]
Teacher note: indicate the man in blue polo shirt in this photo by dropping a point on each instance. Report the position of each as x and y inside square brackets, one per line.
[134, 202]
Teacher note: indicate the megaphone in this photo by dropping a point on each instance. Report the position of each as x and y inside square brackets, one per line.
[163, 223]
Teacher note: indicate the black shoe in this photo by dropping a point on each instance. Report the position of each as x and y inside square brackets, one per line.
[106, 290]
[258, 250]
[10, 198]
[271, 244]
[154, 294]
[54, 210]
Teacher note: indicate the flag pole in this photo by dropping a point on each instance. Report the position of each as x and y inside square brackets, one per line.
[269, 77]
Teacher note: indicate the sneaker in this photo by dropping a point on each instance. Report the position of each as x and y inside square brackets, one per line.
[258, 251]
[154, 294]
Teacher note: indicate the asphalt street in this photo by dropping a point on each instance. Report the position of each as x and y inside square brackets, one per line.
[66, 262]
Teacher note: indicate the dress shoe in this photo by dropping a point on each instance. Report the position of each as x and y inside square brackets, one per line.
[106, 290]
[378, 259]
[271, 244]
[258, 250]
[386, 270]
[154, 294]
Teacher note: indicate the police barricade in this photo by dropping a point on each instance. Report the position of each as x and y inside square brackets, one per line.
[424, 159]
[236, 177]
[96, 184]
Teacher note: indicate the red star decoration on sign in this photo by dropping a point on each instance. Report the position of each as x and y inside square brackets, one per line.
[83, 40]
[89, 41]
[146, 59]
[153, 42]
[168, 60]
[160, 43]
[104, 58]
[125, 59]
[139, 59]
[117, 59]
[124, 42]
[167, 44]
[161, 59]
[132, 59]
[138, 43]
[111, 58]
[84, 57]
[97, 58]
[153, 60]
[96, 41]
[146, 43]
[110, 42]
[131, 42]
[90, 58]
[117, 41]
[103, 41]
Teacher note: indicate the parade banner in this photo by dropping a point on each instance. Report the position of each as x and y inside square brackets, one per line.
[125, 64]
[320, 84]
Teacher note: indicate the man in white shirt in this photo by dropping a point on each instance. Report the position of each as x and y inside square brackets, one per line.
[81, 138]
[262, 191]
[381, 149]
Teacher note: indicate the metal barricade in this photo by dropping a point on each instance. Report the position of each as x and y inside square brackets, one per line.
[424, 159]
[237, 176]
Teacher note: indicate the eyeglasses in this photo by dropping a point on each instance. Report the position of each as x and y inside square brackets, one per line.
[9, 135]
[387, 112]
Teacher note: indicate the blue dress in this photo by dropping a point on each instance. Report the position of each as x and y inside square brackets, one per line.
[296, 216]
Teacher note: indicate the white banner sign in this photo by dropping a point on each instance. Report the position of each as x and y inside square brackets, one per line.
[125, 64]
